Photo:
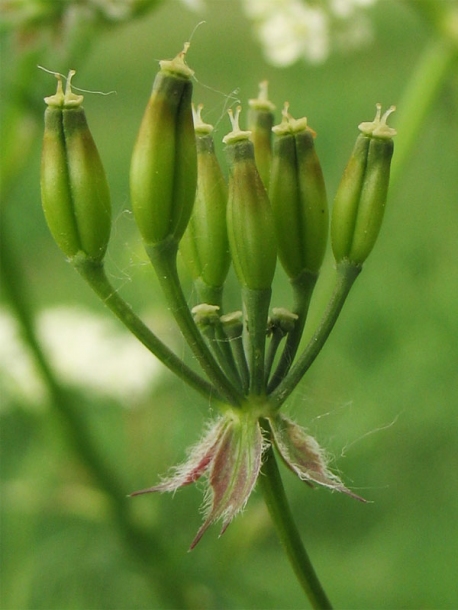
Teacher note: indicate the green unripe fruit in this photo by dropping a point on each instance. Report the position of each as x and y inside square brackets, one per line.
[205, 247]
[315, 217]
[163, 173]
[260, 123]
[298, 197]
[250, 220]
[360, 201]
[285, 199]
[74, 189]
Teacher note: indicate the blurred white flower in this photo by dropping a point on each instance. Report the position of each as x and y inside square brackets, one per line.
[194, 5]
[85, 350]
[295, 32]
[116, 10]
[346, 8]
[292, 29]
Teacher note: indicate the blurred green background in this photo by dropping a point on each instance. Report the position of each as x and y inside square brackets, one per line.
[382, 397]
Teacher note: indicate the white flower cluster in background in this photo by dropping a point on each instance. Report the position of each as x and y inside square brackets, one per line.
[194, 5]
[85, 350]
[308, 29]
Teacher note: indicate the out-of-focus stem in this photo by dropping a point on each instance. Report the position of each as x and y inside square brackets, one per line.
[143, 544]
[418, 97]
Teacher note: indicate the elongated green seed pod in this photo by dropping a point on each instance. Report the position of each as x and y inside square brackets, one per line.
[314, 200]
[204, 246]
[285, 199]
[163, 172]
[252, 243]
[298, 197]
[260, 123]
[360, 200]
[74, 189]
[250, 220]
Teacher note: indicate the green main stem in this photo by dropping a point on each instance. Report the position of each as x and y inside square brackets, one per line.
[280, 512]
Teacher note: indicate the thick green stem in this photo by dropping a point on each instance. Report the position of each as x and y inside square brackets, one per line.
[212, 295]
[346, 275]
[94, 274]
[280, 512]
[163, 257]
[256, 303]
